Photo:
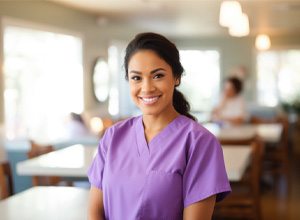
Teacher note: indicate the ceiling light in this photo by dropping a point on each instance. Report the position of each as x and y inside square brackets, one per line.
[229, 12]
[240, 27]
[262, 42]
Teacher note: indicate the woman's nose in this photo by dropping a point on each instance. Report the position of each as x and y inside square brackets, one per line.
[148, 86]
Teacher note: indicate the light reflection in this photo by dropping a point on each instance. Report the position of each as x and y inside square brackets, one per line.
[96, 125]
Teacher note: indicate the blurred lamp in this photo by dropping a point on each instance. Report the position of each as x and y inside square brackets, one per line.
[240, 27]
[230, 11]
[96, 125]
[262, 42]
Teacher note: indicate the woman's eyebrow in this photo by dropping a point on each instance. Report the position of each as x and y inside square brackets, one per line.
[152, 71]
[135, 72]
[156, 70]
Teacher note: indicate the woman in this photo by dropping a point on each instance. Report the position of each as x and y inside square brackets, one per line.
[232, 107]
[163, 164]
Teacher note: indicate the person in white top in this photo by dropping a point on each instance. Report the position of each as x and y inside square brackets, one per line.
[232, 107]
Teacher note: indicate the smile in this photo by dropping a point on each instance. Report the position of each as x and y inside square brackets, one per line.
[149, 100]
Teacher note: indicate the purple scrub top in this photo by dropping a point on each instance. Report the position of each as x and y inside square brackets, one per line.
[181, 165]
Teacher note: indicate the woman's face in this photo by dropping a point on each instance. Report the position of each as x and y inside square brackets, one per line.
[151, 83]
[229, 90]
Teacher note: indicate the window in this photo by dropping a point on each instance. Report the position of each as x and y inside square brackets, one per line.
[101, 80]
[43, 82]
[278, 77]
[201, 81]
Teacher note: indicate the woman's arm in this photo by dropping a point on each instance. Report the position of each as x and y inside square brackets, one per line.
[234, 120]
[200, 210]
[95, 210]
[216, 112]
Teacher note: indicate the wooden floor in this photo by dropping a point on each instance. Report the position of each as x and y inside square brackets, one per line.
[281, 199]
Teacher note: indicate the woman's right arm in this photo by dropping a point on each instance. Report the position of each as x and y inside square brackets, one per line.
[96, 209]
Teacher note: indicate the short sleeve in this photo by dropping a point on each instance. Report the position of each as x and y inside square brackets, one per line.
[95, 172]
[205, 174]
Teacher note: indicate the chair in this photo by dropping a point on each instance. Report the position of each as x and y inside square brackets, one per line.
[6, 181]
[244, 201]
[37, 150]
[276, 157]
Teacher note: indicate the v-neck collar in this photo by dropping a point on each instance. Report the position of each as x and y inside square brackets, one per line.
[145, 148]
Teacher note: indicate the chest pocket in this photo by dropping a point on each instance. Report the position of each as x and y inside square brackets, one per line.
[162, 197]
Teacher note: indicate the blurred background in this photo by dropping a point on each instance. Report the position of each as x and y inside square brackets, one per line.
[62, 79]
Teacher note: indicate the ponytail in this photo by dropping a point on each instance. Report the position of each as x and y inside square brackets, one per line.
[181, 105]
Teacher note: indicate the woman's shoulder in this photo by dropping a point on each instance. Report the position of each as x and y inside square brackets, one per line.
[198, 137]
[126, 123]
[194, 128]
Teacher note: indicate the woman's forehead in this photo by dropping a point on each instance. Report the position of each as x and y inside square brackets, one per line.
[146, 59]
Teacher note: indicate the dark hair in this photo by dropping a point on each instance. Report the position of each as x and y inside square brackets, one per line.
[77, 117]
[237, 84]
[166, 50]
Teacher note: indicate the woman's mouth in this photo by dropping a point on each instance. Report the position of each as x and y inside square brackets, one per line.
[149, 100]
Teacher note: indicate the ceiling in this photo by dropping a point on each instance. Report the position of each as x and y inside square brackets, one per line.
[190, 18]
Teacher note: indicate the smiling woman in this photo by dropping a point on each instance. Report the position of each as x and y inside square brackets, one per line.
[151, 83]
[162, 164]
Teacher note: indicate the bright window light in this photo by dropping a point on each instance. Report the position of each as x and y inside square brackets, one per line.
[201, 81]
[278, 77]
[43, 82]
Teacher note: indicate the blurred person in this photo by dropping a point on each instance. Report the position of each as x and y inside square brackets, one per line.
[162, 164]
[76, 126]
[232, 107]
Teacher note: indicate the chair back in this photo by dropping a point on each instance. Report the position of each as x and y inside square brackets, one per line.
[276, 158]
[245, 197]
[35, 151]
[6, 180]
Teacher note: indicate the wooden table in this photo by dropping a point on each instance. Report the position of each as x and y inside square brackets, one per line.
[267, 132]
[72, 161]
[75, 160]
[270, 132]
[47, 203]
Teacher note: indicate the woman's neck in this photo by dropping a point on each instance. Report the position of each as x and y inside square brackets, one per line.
[153, 124]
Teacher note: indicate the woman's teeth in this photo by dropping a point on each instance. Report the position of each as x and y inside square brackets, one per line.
[150, 100]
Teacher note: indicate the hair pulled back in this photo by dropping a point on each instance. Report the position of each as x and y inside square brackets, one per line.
[167, 51]
[236, 83]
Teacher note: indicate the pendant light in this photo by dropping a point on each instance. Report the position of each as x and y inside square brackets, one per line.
[262, 42]
[229, 12]
[240, 27]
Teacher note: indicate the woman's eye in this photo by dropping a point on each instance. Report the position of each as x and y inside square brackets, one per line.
[135, 78]
[159, 75]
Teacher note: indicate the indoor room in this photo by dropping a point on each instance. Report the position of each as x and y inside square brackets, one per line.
[75, 73]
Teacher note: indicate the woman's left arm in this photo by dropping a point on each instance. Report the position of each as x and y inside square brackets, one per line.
[200, 210]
